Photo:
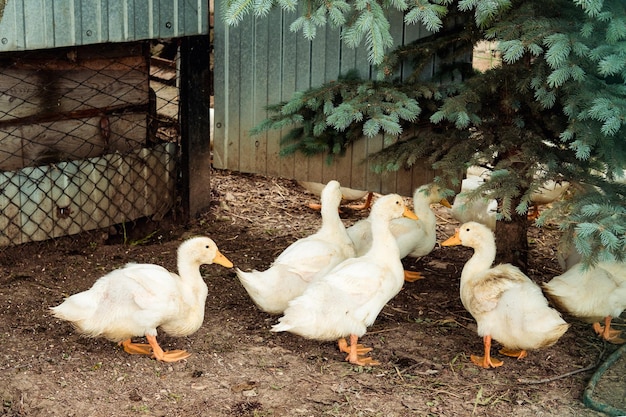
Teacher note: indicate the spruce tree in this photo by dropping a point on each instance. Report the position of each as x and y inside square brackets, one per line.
[555, 110]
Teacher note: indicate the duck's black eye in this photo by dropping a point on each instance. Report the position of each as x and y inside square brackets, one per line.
[207, 246]
[467, 230]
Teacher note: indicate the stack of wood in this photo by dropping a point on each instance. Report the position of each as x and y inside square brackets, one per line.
[74, 136]
[72, 103]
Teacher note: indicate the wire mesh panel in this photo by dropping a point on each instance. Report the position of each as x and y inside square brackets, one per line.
[87, 139]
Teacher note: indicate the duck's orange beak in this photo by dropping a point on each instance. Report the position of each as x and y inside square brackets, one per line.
[222, 260]
[408, 213]
[444, 202]
[452, 241]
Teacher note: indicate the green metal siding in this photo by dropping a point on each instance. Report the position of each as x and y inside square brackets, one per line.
[43, 24]
[261, 62]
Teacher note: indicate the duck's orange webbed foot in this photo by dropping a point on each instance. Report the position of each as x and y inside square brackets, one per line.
[608, 334]
[412, 276]
[318, 207]
[135, 348]
[514, 353]
[169, 356]
[367, 204]
[534, 213]
[343, 347]
[355, 351]
[486, 361]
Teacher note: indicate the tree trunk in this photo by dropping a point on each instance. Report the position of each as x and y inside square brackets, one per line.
[512, 241]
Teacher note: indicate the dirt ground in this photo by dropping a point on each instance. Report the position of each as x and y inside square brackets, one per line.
[423, 337]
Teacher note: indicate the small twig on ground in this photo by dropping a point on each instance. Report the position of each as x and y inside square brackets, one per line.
[241, 217]
[399, 373]
[384, 330]
[554, 378]
[553, 270]
[565, 375]
[445, 220]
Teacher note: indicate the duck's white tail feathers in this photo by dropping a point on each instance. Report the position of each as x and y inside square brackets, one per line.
[303, 319]
[321, 314]
[79, 310]
[75, 308]
[271, 290]
[540, 324]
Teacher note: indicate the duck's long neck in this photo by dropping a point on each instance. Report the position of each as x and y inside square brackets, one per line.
[193, 293]
[331, 222]
[421, 207]
[383, 241]
[189, 273]
[481, 260]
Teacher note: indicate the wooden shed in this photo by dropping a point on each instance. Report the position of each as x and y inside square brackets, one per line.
[261, 62]
[78, 149]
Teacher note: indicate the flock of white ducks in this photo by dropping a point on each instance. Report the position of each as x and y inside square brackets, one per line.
[348, 299]
[414, 238]
[333, 284]
[303, 261]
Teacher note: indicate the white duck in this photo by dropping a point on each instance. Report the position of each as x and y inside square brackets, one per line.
[549, 192]
[595, 294]
[303, 261]
[349, 194]
[505, 303]
[482, 210]
[415, 238]
[139, 298]
[348, 299]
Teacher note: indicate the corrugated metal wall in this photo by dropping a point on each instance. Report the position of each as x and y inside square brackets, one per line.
[261, 62]
[39, 24]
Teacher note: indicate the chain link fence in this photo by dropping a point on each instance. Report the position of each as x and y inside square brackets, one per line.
[89, 138]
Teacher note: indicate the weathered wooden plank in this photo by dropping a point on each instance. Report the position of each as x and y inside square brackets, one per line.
[421, 173]
[358, 166]
[373, 180]
[221, 61]
[167, 99]
[195, 131]
[33, 92]
[327, 63]
[318, 169]
[41, 143]
[246, 102]
[303, 82]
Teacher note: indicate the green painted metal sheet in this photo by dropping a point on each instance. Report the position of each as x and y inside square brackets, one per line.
[44, 24]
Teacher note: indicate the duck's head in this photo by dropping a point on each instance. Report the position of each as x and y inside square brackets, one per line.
[392, 206]
[203, 251]
[471, 234]
[331, 194]
[434, 195]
